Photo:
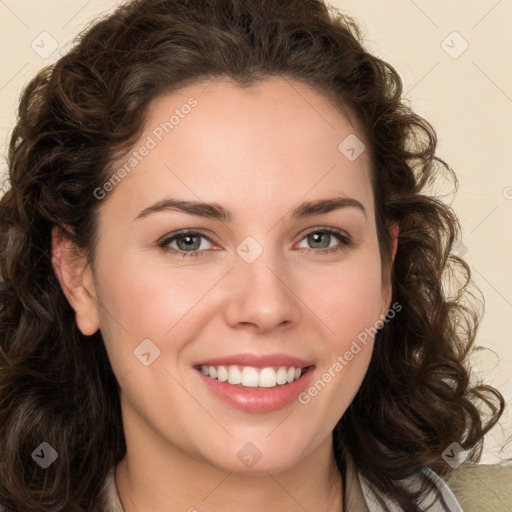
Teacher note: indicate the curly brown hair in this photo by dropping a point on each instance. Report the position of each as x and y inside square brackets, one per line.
[78, 116]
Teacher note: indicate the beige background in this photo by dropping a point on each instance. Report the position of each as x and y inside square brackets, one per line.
[466, 93]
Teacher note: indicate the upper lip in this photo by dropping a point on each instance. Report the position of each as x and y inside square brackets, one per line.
[256, 360]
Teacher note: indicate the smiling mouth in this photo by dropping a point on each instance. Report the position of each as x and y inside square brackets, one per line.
[252, 377]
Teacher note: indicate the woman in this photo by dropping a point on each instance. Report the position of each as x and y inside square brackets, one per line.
[221, 274]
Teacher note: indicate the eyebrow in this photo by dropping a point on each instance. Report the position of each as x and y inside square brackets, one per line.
[218, 212]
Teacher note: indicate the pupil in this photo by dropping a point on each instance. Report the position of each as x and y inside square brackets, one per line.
[189, 241]
[317, 238]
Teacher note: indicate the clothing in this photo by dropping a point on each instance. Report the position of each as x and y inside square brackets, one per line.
[359, 495]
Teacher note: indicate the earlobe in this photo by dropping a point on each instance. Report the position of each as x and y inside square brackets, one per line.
[76, 280]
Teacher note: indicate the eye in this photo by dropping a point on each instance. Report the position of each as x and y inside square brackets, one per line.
[323, 238]
[187, 243]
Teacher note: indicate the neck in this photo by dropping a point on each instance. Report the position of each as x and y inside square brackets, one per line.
[159, 477]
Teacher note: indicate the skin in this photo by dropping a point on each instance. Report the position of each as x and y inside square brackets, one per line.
[258, 152]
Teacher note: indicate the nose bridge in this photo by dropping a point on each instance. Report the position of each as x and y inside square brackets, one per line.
[260, 291]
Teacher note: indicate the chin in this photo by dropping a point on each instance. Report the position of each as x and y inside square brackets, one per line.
[260, 456]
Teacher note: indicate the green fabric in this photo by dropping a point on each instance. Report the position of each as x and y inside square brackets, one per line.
[482, 488]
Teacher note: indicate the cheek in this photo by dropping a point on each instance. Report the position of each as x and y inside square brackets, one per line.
[349, 299]
[350, 307]
[146, 309]
[149, 300]
[140, 302]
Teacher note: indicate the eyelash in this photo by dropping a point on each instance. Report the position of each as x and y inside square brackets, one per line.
[346, 241]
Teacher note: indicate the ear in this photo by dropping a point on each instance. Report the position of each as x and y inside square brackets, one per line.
[393, 232]
[393, 229]
[76, 280]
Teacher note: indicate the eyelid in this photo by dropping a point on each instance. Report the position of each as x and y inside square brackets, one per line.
[166, 239]
[327, 229]
[343, 237]
[345, 240]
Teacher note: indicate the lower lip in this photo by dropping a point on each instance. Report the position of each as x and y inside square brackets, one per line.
[258, 399]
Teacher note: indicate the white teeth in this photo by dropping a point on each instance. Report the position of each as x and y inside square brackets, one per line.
[222, 374]
[251, 377]
[268, 378]
[234, 375]
[281, 375]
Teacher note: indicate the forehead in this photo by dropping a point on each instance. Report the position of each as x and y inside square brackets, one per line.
[277, 140]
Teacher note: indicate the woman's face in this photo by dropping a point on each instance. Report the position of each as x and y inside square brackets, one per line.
[277, 283]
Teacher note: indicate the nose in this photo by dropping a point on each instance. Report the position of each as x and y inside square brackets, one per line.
[261, 296]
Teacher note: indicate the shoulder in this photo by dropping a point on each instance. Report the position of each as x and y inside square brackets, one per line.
[438, 499]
